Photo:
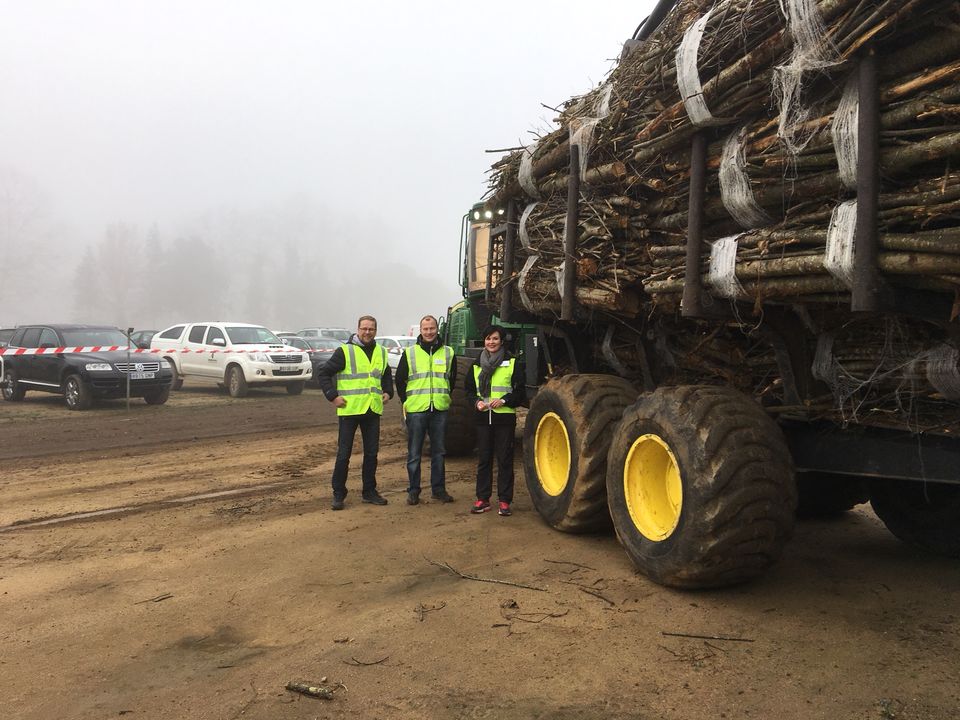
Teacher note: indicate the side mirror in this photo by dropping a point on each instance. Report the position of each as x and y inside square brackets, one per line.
[220, 342]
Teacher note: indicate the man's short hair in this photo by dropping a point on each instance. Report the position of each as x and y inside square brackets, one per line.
[429, 317]
[366, 317]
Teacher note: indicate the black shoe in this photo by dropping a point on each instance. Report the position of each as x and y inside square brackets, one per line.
[337, 504]
[374, 498]
[443, 496]
[413, 497]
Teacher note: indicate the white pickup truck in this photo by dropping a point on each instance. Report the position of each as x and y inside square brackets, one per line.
[237, 354]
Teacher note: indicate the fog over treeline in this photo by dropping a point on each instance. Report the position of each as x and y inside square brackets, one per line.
[292, 265]
[286, 267]
[291, 164]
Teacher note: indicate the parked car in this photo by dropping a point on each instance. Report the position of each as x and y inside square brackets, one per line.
[5, 335]
[341, 334]
[141, 338]
[238, 354]
[395, 345]
[82, 377]
[318, 349]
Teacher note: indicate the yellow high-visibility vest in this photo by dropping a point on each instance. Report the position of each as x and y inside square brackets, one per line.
[500, 383]
[428, 384]
[359, 381]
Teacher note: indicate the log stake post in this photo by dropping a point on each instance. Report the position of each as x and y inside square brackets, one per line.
[570, 238]
[506, 299]
[691, 304]
[867, 285]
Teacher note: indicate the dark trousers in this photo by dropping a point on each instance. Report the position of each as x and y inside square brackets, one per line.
[369, 425]
[495, 440]
[419, 426]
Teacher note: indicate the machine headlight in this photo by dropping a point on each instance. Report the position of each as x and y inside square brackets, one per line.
[258, 357]
[102, 367]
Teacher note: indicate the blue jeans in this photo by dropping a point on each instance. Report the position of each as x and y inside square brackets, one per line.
[419, 425]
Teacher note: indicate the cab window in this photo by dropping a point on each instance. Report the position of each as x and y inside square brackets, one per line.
[172, 334]
[48, 339]
[213, 334]
[196, 333]
[31, 338]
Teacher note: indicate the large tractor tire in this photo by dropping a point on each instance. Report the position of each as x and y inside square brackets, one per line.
[926, 514]
[566, 438]
[824, 495]
[461, 436]
[701, 488]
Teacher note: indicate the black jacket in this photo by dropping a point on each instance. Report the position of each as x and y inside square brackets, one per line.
[327, 373]
[515, 398]
[403, 369]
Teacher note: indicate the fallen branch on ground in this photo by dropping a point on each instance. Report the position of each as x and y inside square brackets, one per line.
[447, 567]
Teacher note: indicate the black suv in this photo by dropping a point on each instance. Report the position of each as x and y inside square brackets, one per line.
[82, 377]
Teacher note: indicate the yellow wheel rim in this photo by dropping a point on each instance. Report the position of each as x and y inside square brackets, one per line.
[551, 454]
[652, 486]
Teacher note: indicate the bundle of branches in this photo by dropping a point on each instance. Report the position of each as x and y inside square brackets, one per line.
[780, 163]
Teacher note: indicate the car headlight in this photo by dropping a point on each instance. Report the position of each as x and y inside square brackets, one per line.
[103, 367]
[258, 357]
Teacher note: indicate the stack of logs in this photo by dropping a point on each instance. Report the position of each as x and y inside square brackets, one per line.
[776, 97]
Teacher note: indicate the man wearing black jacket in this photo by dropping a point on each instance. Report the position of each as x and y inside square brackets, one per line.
[426, 375]
[357, 380]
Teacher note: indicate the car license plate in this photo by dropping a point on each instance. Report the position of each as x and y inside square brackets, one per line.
[295, 371]
[142, 375]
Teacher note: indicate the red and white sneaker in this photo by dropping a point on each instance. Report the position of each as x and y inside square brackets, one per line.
[480, 506]
[504, 508]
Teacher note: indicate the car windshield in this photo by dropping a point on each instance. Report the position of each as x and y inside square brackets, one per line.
[323, 344]
[341, 335]
[252, 336]
[86, 337]
[406, 341]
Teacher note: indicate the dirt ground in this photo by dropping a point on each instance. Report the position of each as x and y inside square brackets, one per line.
[183, 562]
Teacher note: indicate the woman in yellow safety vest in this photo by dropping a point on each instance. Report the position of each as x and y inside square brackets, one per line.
[495, 386]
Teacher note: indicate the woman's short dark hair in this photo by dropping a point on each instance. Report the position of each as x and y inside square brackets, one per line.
[491, 329]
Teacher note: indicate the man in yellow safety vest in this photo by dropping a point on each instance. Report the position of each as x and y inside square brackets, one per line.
[358, 381]
[425, 376]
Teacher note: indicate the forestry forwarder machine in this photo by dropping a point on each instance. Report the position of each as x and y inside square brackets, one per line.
[699, 481]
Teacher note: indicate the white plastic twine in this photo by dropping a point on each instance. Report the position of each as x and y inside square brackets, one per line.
[559, 270]
[723, 267]
[525, 175]
[688, 75]
[843, 129]
[943, 371]
[735, 190]
[812, 50]
[581, 129]
[838, 259]
[524, 217]
[561, 276]
[522, 282]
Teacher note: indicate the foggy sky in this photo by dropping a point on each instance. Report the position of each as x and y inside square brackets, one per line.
[319, 158]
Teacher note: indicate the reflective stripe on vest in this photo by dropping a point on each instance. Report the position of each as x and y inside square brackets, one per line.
[359, 381]
[500, 383]
[428, 384]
